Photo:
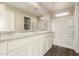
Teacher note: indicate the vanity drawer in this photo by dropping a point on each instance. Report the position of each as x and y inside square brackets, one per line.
[3, 47]
[3, 54]
[17, 52]
[16, 44]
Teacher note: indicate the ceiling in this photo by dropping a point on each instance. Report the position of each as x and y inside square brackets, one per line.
[48, 6]
[57, 6]
[25, 6]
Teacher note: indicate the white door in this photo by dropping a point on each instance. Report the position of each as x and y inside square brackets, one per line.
[63, 31]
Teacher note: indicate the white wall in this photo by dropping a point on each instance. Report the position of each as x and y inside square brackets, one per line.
[76, 28]
[63, 28]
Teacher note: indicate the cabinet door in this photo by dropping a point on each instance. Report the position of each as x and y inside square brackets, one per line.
[49, 41]
[27, 50]
[18, 52]
[3, 48]
[42, 47]
[35, 48]
[44, 44]
[16, 44]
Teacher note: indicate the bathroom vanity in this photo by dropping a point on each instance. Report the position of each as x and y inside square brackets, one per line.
[25, 43]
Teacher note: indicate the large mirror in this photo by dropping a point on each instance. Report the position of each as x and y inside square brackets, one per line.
[15, 19]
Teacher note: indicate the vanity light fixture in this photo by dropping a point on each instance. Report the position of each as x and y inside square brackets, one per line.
[61, 14]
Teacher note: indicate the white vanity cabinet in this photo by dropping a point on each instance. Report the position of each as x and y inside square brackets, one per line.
[33, 45]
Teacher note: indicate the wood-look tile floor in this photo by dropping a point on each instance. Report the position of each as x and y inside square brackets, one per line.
[60, 51]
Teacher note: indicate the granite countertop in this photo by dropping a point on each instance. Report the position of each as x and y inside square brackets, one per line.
[18, 34]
